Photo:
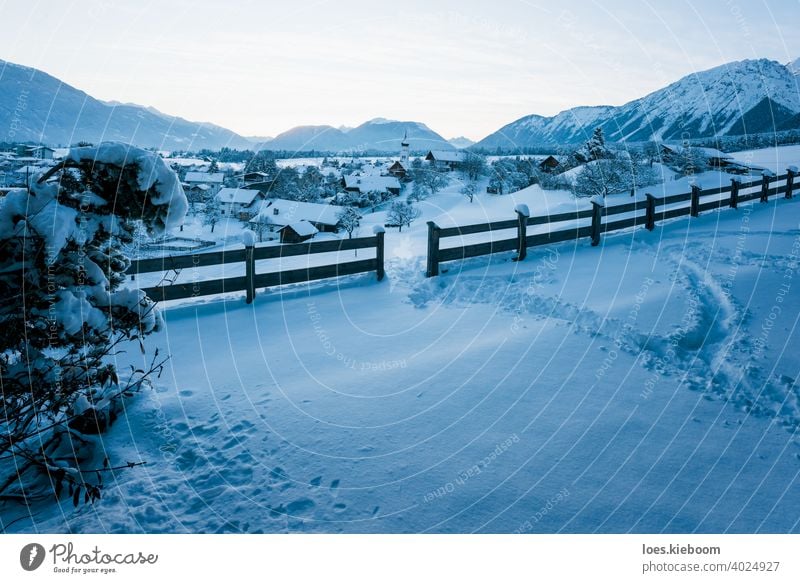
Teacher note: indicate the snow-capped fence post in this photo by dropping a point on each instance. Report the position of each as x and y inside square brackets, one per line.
[380, 234]
[650, 217]
[433, 250]
[522, 231]
[735, 192]
[249, 240]
[791, 172]
[597, 216]
[765, 176]
[694, 209]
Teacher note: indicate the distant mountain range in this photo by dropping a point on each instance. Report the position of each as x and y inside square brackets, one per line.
[751, 96]
[378, 134]
[37, 107]
[461, 142]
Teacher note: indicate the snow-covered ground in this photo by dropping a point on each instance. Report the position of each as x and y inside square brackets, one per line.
[645, 385]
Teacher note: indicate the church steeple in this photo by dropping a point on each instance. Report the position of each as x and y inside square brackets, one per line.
[404, 149]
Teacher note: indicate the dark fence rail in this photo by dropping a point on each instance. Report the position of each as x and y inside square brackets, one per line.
[567, 227]
[252, 280]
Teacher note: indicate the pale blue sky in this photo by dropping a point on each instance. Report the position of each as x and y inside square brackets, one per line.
[463, 67]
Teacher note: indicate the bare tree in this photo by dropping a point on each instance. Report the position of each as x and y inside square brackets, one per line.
[402, 214]
[350, 219]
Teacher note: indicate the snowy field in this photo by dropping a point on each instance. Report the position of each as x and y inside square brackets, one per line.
[646, 385]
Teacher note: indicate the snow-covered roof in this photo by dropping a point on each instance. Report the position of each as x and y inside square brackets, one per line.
[302, 228]
[446, 155]
[291, 211]
[205, 177]
[199, 162]
[29, 170]
[198, 186]
[253, 173]
[244, 196]
[371, 183]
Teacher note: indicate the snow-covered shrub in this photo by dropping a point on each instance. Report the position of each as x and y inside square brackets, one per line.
[64, 311]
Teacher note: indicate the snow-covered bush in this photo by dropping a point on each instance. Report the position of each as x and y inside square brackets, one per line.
[64, 311]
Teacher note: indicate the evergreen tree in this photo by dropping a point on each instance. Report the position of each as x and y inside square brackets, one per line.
[63, 248]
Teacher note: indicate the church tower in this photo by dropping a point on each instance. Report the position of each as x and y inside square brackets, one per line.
[404, 150]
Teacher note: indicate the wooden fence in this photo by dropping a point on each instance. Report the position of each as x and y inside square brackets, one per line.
[567, 226]
[252, 280]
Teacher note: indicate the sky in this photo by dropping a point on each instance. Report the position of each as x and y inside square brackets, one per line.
[464, 67]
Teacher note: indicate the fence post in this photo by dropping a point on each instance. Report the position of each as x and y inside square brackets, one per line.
[735, 192]
[433, 250]
[791, 172]
[597, 215]
[765, 174]
[380, 234]
[522, 230]
[650, 217]
[694, 210]
[249, 240]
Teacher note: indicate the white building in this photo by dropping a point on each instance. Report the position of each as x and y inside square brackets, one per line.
[213, 180]
[280, 212]
[239, 202]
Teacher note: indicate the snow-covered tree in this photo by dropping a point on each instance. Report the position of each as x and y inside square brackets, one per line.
[469, 190]
[402, 214]
[594, 149]
[427, 182]
[473, 166]
[651, 152]
[212, 213]
[65, 312]
[603, 177]
[596, 146]
[260, 224]
[310, 184]
[690, 161]
[350, 219]
[509, 176]
[262, 162]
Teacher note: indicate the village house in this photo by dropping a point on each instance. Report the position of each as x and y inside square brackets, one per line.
[297, 232]
[37, 152]
[714, 158]
[398, 170]
[278, 213]
[212, 180]
[239, 202]
[251, 178]
[549, 164]
[361, 183]
[448, 160]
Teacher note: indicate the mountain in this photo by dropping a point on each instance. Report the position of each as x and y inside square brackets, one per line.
[460, 142]
[379, 134]
[750, 96]
[37, 107]
[304, 138]
[385, 135]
